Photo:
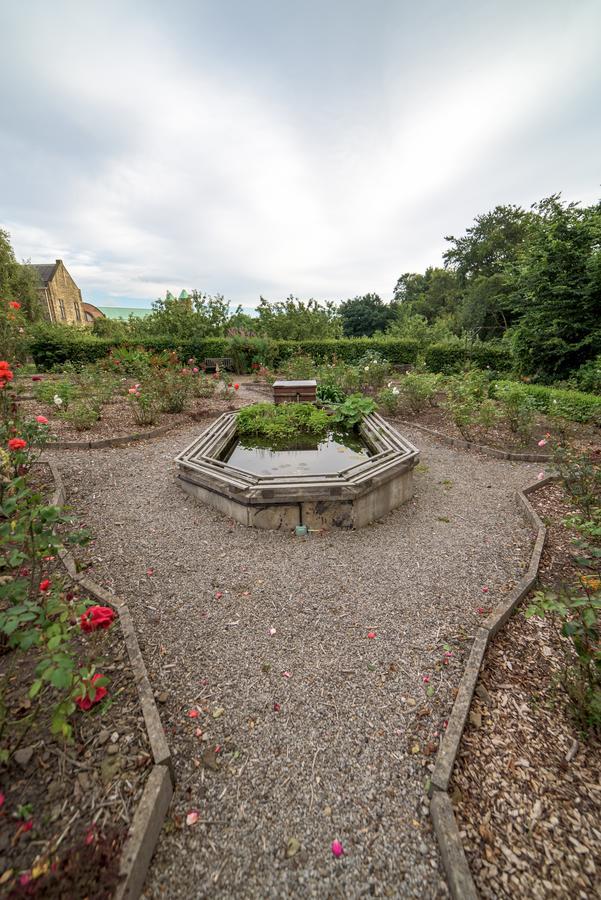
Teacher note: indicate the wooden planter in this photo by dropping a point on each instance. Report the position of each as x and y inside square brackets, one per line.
[294, 391]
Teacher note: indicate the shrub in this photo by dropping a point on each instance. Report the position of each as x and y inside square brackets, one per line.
[419, 389]
[82, 414]
[354, 408]
[389, 400]
[54, 345]
[517, 405]
[299, 367]
[453, 357]
[572, 405]
[144, 404]
[46, 391]
[282, 421]
[465, 395]
[373, 370]
[329, 393]
[588, 376]
[172, 388]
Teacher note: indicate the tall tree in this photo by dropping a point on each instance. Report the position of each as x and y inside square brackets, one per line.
[435, 293]
[557, 289]
[363, 316]
[296, 320]
[488, 246]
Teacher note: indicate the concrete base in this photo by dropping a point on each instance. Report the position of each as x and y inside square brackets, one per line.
[373, 504]
[350, 498]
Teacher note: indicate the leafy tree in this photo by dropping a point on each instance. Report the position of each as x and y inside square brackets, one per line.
[18, 281]
[296, 320]
[431, 295]
[363, 316]
[487, 309]
[557, 289]
[195, 315]
[490, 245]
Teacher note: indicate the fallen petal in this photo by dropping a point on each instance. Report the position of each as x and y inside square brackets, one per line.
[192, 817]
[337, 849]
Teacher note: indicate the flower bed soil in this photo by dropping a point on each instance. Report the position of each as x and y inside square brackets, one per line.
[500, 436]
[527, 785]
[67, 806]
[117, 418]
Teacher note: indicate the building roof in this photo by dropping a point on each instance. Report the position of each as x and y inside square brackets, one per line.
[45, 271]
[93, 311]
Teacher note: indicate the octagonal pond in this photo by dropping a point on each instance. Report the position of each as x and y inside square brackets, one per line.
[337, 481]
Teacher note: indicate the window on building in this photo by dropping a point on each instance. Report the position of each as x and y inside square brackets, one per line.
[77, 312]
[61, 306]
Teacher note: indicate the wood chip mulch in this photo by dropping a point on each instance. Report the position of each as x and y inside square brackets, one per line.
[527, 783]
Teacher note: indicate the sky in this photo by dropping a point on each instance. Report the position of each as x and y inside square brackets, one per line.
[264, 147]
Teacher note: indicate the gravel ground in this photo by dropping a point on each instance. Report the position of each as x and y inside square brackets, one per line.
[304, 728]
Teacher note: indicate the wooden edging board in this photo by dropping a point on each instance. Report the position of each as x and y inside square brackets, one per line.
[454, 860]
[158, 790]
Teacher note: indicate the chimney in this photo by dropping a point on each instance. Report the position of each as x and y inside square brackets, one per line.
[58, 261]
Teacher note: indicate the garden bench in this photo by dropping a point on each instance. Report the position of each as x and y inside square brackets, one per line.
[221, 362]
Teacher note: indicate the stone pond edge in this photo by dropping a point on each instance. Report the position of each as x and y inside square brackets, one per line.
[461, 444]
[158, 790]
[457, 870]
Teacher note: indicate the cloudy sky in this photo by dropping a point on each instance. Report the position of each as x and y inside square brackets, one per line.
[316, 147]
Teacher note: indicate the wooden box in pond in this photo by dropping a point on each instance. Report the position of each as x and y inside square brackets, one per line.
[294, 391]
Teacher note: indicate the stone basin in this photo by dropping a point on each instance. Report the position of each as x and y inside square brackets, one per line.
[351, 497]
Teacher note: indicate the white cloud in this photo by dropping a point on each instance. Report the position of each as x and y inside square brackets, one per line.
[198, 175]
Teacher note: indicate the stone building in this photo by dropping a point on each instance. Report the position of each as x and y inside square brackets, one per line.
[60, 296]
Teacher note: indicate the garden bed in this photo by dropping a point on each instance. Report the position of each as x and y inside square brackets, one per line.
[500, 436]
[526, 783]
[118, 420]
[67, 807]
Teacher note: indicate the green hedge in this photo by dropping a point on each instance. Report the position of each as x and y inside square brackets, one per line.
[451, 358]
[49, 349]
[573, 405]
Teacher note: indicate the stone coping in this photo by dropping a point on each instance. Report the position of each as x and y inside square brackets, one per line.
[456, 866]
[481, 448]
[158, 790]
[200, 463]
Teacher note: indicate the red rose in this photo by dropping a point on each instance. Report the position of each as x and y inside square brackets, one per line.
[36, 377]
[14, 305]
[16, 444]
[236, 386]
[41, 420]
[45, 584]
[97, 694]
[97, 617]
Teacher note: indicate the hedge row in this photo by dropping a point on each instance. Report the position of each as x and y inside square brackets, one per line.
[50, 350]
[451, 358]
[573, 405]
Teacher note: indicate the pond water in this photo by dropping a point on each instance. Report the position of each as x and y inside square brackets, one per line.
[307, 455]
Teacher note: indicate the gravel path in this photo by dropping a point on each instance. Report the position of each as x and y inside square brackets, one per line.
[324, 733]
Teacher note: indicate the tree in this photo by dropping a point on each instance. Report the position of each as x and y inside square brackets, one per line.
[490, 245]
[195, 315]
[435, 293]
[557, 290]
[487, 308]
[18, 281]
[363, 316]
[296, 320]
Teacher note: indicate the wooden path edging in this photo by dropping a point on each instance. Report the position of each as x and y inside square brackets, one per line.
[454, 860]
[158, 790]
